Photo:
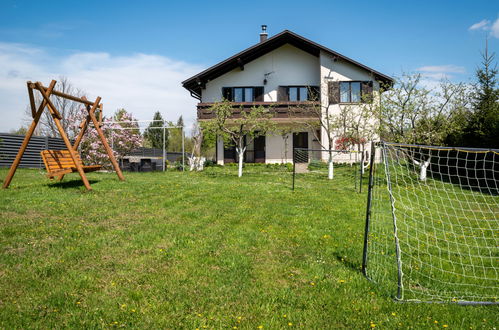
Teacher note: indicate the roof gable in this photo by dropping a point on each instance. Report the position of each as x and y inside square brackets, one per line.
[197, 82]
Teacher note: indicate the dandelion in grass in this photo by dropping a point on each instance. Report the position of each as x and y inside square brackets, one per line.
[260, 327]
[372, 324]
[341, 281]
[444, 326]
[290, 324]
[312, 283]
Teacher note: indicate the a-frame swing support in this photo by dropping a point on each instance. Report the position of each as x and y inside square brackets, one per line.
[91, 107]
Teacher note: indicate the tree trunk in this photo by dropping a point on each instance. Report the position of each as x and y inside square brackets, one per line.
[424, 167]
[240, 154]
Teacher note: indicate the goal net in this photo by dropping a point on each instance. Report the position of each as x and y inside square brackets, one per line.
[432, 224]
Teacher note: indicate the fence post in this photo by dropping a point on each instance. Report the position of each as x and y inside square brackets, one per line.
[368, 209]
[294, 168]
[361, 170]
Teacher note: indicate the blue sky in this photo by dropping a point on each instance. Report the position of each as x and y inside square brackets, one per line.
[135, 53]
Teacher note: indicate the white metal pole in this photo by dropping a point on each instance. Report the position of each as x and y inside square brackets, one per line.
[164, 150]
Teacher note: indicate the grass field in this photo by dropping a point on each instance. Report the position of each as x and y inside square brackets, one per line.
[196, 250]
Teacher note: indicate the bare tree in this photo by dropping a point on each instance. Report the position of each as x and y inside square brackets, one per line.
[68, 109]
[411, 113]
[196, 162]
[325, 120]
[414, 114]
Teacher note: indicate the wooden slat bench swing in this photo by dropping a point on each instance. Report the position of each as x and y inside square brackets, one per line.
[61, 162]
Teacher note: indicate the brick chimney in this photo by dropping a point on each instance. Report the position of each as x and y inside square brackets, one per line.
[263, 34]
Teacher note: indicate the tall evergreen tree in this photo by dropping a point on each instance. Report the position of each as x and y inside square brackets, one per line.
[482, 129]
[180, 121]
[155, 135]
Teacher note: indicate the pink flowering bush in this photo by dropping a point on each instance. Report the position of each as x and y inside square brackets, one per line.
[122, 141]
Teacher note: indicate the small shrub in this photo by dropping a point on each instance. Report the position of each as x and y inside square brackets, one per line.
[209, 162]
[178, 166]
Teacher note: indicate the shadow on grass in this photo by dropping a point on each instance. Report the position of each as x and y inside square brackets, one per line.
[356, 267]
[69, 184]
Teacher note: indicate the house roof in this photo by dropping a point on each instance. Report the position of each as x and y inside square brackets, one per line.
[197, 82]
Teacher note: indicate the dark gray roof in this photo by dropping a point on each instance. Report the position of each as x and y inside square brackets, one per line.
[195, 83]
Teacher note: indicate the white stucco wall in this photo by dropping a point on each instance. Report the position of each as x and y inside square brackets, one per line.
[287, 65]
[340, 70]
[277, 150]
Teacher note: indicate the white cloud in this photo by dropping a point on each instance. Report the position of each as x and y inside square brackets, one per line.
[439, 72]
[140, 83]
[486, 25]
[494, 30]
[443, 68]
[482, 25]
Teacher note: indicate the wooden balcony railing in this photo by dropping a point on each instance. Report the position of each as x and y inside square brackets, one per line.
[280, 110]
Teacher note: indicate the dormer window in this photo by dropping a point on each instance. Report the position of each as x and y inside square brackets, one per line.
[243, 94]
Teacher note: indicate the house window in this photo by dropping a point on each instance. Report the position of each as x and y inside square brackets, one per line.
[350, 92]
[243, 94]
[298, 93]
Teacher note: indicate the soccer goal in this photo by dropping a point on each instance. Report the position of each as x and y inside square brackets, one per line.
[432, 224]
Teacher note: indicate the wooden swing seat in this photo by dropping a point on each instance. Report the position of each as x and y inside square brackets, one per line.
[59, 162]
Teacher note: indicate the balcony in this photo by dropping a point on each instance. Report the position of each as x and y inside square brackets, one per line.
[280, 110]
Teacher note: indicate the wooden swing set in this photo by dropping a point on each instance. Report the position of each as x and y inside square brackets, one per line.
[61, 162]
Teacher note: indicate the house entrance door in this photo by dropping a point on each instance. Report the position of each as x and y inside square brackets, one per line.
[259, 146]
[300, 140]
[230, 154]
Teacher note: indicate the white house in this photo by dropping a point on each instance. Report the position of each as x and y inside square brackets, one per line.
[289, 74]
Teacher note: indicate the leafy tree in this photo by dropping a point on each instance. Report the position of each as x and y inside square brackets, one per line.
[155, 135]
[233, 128]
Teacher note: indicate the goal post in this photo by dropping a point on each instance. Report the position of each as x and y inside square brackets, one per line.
[432, 224]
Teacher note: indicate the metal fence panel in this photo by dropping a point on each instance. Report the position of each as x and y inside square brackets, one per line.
[10, 144]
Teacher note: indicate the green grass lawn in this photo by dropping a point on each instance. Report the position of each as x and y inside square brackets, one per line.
[196, 250]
